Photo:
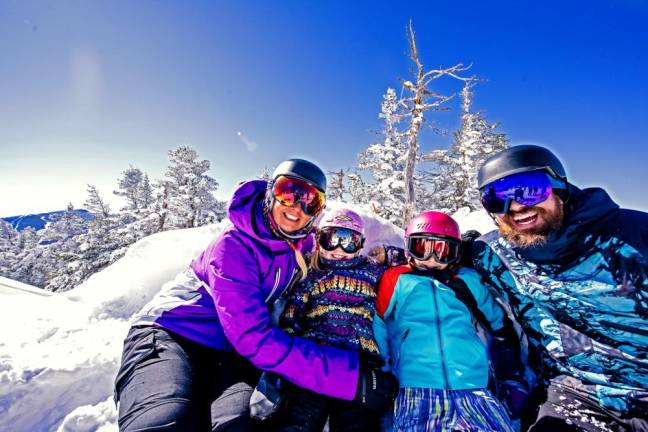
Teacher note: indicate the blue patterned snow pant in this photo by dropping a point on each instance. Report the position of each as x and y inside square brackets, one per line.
[427, 410]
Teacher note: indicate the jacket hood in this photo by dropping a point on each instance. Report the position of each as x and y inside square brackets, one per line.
[246, 213]
[586, 211]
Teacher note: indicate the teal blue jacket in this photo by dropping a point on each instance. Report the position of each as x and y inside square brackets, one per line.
[428, 335]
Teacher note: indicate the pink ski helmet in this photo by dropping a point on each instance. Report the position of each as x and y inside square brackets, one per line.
[342, 218]
[433, 223]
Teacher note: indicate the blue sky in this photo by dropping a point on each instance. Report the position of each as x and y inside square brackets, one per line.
[87, 88]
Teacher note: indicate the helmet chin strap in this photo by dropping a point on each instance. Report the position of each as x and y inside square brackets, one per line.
[297, 235]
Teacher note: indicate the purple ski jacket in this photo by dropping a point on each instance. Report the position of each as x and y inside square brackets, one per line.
[224, 301]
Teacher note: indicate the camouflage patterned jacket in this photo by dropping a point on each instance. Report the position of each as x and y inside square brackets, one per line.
[582, 298]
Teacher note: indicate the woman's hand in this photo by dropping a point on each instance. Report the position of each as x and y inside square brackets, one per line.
[376, 388]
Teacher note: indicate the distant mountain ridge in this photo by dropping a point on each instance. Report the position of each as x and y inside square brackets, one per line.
[38, 221]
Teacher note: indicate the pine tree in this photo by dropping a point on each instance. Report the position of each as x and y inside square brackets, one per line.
[8, 247]
[65, 226]
[336, 188]
[190, 189]
[217, 213]
[161, 204]
[8, 236]
[265, 174]
[96, 205]
[385, 162]
[33, 263]
[64, 235]
[130, 187]
[146, 194]
[98, 246]
[454, 177]
[358, 189]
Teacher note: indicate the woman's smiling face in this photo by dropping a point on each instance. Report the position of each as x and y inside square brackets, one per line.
[289, 219]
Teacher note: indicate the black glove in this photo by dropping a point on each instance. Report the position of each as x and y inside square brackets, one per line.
[387, 255]
[376, 388]
[514, 394]
[395, 256]
[470, 236]
[467, 240]
[505, 353]
[371, 360]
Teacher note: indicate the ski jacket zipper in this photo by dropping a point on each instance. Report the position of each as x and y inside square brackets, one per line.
[400, 348]
[276, 284]
[439, 335]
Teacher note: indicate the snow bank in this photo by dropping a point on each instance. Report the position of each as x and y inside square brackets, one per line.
[121, 289]
[478, 220]
[59, 353]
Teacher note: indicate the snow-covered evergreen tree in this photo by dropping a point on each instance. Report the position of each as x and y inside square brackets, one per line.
[8, 236]
[358, 189]
[65, 236]
[385, 162]
[140, 212]
[336, 188]
[161, 203]
[217, 213]
[8, 247]
[454, 177]
[105, 240]
[70, 249]
[96, 205]
[130, 187]
[146, 194]
[190, 189]
[33, 262]
[266, 174]
[65, 226]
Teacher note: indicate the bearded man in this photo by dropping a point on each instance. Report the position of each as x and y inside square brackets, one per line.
[572, 265]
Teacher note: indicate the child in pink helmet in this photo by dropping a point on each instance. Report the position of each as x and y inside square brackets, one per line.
[425, 326]
[334, 306]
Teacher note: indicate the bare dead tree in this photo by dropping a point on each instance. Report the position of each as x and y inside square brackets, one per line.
[421, 99]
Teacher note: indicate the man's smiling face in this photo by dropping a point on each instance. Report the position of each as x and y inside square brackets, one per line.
[528, 226]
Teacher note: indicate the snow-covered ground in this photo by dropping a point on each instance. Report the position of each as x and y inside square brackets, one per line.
[59, 353]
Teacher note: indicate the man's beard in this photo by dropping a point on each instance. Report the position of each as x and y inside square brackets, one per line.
[536, 237]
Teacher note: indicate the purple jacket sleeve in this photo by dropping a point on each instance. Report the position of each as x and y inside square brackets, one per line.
[233, 277]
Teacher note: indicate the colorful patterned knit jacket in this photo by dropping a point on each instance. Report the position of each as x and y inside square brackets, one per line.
[335, 305]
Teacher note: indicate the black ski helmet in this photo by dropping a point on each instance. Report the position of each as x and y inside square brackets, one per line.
[303, 170]
[519, 159]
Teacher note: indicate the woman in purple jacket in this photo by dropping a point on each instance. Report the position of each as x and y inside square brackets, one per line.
[195, 352]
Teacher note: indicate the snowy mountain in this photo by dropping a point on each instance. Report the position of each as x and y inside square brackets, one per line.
[59, 353]
[38, 221]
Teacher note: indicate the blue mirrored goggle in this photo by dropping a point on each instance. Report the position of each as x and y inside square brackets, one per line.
[527, 188]
[333, 237]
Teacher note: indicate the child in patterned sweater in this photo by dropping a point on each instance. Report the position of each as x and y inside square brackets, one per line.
[334, 305]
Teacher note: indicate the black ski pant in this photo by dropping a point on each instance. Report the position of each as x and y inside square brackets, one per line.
[168, 383]
[306, 411]
[560, 408]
